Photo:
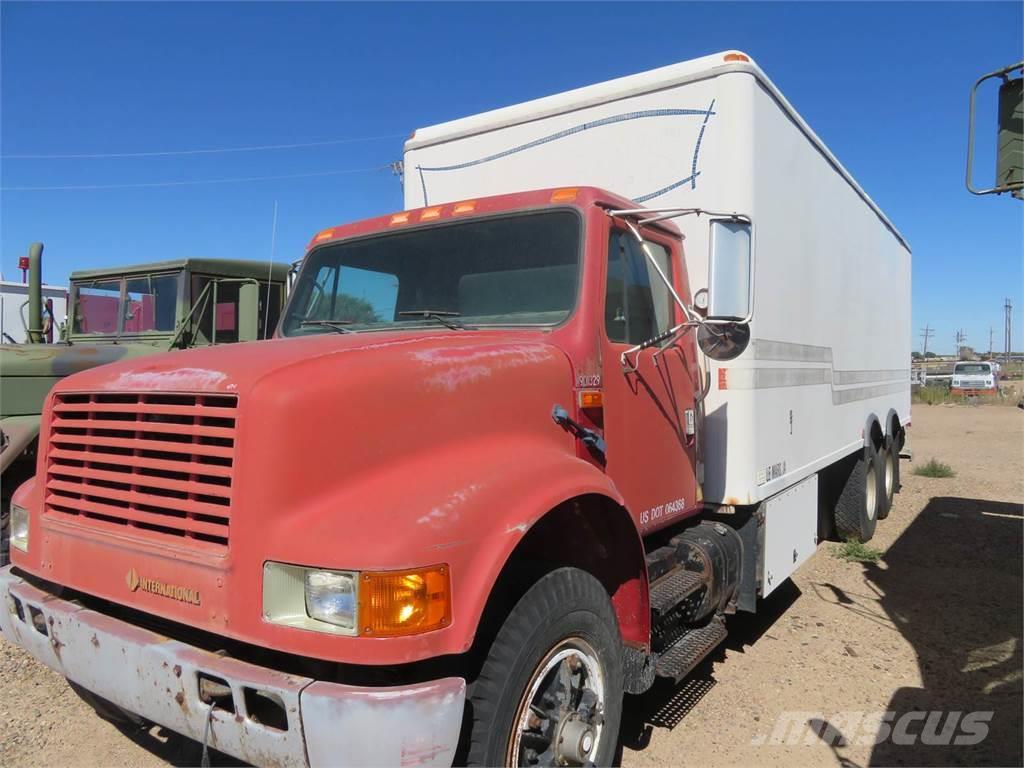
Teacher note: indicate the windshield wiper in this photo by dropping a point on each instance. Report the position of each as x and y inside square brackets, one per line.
[442, 316]
[334, 325]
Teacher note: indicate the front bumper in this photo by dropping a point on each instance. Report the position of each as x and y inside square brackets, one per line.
[156, 678]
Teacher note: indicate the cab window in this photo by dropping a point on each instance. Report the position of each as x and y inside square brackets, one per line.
[638, 305]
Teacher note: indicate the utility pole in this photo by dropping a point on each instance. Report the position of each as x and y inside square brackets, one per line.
[1007, 340]
[961, 337]
[990, 332]
[926, 333]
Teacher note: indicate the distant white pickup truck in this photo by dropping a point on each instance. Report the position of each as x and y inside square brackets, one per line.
[975, 378]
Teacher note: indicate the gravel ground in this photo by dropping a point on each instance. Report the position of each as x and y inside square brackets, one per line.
[935, 626]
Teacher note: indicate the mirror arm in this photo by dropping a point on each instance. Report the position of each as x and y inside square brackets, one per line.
[661, 339]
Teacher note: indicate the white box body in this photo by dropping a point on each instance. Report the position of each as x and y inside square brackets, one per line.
[831, 278]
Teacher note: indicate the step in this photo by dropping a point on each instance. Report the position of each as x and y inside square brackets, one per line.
[689, 649]
[669, 591]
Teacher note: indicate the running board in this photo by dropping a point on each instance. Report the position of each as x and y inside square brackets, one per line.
[683, 655]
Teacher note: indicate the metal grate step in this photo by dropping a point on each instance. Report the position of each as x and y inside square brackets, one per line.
[687, 652]
[668, 591]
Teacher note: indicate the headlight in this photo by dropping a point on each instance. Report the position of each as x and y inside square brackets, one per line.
[373, 603]
[19, 527]
[331, 597]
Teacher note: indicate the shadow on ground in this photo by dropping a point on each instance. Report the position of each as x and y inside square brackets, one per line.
[951, 585]
[954, 588]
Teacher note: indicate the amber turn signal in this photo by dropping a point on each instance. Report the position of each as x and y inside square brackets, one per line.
[395, 603]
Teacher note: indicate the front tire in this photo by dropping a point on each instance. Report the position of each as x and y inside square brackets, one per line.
[550, 690]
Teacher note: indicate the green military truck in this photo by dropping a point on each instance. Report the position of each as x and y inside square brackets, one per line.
[118, 313]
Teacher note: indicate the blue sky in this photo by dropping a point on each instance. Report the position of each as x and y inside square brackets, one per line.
[884, 84]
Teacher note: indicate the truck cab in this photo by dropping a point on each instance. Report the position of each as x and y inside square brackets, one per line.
[467, 411]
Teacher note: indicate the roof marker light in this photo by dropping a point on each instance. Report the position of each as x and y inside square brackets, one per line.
[564, 195]
[326, 234]
[398, 218]
[431, 213]
[736, 57]
[465, 207]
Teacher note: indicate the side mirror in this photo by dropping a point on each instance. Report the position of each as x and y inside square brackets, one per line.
[248, 311]
[1009, 134]
[729, 270]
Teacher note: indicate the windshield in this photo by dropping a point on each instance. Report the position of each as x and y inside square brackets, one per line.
[512, 270]
[140, 304]
[981, 368]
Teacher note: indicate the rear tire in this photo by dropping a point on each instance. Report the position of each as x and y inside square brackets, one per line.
[550, 690]
[860, 497]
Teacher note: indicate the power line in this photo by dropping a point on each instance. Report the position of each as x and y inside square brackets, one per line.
[191, 182]
[214, 151]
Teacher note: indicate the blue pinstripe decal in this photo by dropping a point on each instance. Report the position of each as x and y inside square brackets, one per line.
[688, 180]
[691, 179]
[423, 183]
[696, 149]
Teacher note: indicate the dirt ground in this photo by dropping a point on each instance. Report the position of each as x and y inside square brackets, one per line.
[935, 626]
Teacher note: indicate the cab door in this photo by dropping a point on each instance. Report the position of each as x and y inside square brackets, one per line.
[651, 453]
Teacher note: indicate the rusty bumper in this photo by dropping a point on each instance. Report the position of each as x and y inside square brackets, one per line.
[316, 723]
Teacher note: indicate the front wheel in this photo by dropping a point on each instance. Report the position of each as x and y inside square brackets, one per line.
[550, 690]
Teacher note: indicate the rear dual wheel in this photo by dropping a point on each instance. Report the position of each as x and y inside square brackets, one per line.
[550, 690]
[862, 497]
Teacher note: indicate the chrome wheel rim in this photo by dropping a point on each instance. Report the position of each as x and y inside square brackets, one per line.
[560, 718]
[871, 492]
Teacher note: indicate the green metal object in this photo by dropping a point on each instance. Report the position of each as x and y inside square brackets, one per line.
[34, 323]
[1010, 134]
[248, 311]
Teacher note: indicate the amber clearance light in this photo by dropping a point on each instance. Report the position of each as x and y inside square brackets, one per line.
[404, 602]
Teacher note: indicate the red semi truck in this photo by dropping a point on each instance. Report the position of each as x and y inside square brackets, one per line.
[502, 464]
